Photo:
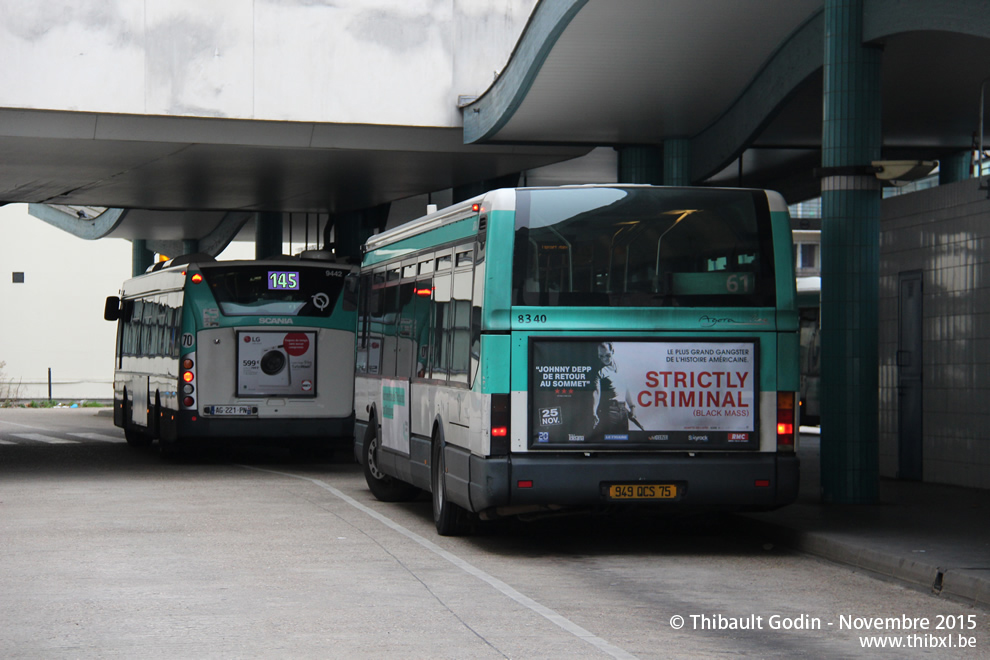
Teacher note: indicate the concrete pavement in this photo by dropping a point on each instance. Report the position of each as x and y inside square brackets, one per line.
[932, 536]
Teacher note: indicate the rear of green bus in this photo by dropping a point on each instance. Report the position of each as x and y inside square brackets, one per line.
[640, 346]
[266, 352]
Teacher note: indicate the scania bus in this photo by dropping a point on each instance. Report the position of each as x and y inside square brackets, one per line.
[210, 351]
[539, 349]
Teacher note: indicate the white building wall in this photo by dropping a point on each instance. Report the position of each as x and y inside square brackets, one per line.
[402, 62]
[55, 318]
[945, 233]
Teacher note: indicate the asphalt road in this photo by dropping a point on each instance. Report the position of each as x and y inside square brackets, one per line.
[110, 552]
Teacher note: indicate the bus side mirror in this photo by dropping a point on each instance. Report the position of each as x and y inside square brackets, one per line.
[351, 292]
[111, 310]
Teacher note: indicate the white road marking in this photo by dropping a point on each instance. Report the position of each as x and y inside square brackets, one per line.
[502, 587]
[41, 437]
[101, 437]
[23, 426]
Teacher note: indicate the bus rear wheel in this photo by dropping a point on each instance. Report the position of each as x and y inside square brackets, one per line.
[134, 437]
[450, 519]
[382, 486]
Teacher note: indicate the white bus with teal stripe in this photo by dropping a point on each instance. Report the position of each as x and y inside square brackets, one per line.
[235, 352]
[581, 347]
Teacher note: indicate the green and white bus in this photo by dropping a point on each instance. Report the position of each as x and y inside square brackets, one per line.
[539, 349]
[232, 351]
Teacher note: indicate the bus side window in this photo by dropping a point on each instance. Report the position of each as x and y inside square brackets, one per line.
[351, 288]
[371, 321]
[414, 328]
[460, 327]
[390, 322]
[440, 324]
[148, 328]
[161, 329]
[170, 332]
[405, 340]
[133, 336]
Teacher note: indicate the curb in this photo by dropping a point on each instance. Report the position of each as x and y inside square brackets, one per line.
[954, 582]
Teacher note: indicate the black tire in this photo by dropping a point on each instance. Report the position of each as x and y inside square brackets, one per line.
[155, 423]
[450, 519]
[167, 448]
[134, 437]
[382, 486]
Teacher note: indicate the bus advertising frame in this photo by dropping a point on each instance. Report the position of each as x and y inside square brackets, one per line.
[710, 408]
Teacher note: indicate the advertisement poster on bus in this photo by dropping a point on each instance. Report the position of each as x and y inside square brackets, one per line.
[670, 394]
[276, 363]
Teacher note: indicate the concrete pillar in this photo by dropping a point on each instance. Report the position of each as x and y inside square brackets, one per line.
[351, 229]
[641, 164]
[677, 162]
[957, 167]
[141, 257]
[851, 139]
[190, 246]
[268, 235]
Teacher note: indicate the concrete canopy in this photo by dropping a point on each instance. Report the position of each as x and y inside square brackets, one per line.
[740, 80]
[187, 164]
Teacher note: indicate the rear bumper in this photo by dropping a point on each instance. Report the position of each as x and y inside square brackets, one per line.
[292, 429]
[728, 481]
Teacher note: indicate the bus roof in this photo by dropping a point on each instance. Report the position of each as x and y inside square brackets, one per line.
[504, 198]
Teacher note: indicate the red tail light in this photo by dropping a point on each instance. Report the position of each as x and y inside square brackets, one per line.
[500, 425]
[187, 376]
[785, 421]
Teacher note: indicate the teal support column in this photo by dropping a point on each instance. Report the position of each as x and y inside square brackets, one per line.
[677, 162]
[352, 229]
[190, 246]
[347, 233]
[641, 164]
[268, 235]
[851, 139]
[957, 167]
[141, 256]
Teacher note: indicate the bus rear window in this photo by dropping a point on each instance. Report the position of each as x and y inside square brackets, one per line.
[275, 290]
[643, 247]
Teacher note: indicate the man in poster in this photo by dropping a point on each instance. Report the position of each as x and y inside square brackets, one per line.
[612, 400]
